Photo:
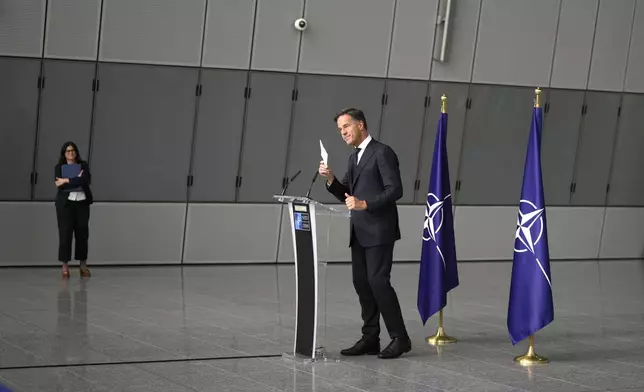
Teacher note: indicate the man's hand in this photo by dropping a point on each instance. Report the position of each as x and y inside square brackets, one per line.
[355, 204]
[325, 171]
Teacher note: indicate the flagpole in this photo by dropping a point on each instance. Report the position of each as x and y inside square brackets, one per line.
[531, 357]
[441, 338]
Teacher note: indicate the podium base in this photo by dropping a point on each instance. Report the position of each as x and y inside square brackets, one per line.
[321, 355]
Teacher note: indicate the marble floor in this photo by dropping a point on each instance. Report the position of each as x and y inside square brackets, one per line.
[224, 328]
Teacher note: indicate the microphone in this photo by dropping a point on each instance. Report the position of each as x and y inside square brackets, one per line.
[295, 176]
[315, 177]
[288, 181]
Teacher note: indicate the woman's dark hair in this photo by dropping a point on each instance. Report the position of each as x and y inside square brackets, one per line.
[62, 160]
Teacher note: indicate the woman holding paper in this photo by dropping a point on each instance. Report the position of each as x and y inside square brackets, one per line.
[72, 207]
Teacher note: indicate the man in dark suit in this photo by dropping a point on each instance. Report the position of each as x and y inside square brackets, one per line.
[370, 189]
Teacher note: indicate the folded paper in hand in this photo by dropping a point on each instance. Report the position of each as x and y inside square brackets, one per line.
[325, 155]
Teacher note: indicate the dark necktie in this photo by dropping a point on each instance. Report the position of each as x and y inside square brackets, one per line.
[355, 160]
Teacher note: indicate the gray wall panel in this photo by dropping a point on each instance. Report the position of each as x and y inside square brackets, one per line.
[402, 126]
[623, 234]
[413, 39]
[574, 233]
[319, 99]
[65, 115]
[485, 233]
[595, 149]
[142, 132]
[559, 139]
[461, 43]
[72, 29]
[337, 28]
[627, 181]
[228, 35]
[218, 136]
[123, 233]
[411, 230]
[136, 233]
[457, 95]
[229, 233]
[495, 143]
[266, 136]
[18, 111]
[276, 42]
[152, 31]
[516, 41]
[21, 27]
[635, 70]
[34, 241]
[574, 43]
[610, 50]
[119, 233]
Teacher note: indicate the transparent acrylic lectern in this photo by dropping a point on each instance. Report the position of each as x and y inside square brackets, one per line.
[311, 258]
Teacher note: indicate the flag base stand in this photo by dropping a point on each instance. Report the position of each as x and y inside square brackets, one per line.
[440, 338]
[531, 358]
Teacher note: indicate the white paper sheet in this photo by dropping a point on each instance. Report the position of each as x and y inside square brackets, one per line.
[325, 155]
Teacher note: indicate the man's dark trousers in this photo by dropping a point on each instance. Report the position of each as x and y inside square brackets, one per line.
[371, 279]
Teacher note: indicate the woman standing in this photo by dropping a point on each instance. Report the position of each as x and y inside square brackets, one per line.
[72, 209]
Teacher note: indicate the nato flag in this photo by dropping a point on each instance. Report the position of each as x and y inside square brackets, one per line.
[531, 306]
[438, 271]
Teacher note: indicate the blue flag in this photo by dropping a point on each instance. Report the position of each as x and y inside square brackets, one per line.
[438, 271]
[531, 306]
[4, 389]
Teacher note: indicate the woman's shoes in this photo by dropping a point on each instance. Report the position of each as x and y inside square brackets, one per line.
[84, 272]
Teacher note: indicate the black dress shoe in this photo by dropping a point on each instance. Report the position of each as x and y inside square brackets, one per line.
[369, 346]
[396, 348]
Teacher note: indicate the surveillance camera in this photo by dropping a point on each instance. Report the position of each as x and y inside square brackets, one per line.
[301, 24]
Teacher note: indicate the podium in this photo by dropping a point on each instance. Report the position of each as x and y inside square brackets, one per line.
[310, 274]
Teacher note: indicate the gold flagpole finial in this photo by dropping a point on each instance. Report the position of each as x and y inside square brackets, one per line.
[537, 98]
[444, 103]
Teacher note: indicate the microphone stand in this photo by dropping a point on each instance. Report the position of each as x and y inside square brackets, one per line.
[315, 177]
[281, 219]
[288, 182]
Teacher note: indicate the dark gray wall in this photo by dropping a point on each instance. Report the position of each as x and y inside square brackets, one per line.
[195, 111]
